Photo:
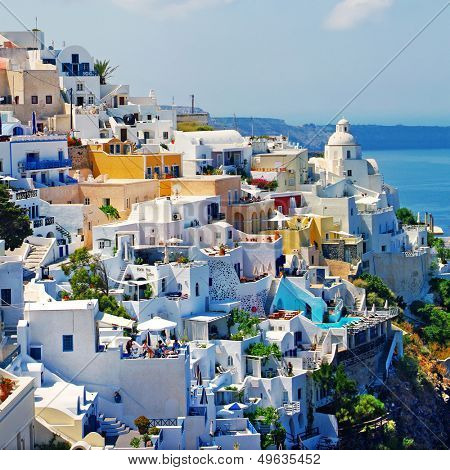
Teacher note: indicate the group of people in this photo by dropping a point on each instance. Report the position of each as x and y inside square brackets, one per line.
[161, 350]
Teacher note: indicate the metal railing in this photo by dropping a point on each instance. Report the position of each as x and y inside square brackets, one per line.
[48, 164]
[49, 220]
[10, 357]
[20, 195]
[37, 223]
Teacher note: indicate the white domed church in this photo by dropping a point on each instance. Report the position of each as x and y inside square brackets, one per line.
[343, 158]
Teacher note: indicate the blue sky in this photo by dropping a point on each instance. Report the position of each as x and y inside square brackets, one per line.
[300, 60]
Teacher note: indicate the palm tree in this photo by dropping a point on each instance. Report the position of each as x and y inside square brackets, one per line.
[104, 70]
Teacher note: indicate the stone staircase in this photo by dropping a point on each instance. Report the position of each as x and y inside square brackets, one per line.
[35, 257]
[120, 277]
[64, 233]
[111, 428]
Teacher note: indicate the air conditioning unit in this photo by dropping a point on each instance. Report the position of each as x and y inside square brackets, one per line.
[176, 217]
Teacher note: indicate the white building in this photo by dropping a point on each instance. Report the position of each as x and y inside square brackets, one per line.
[11, 289]
[17, 414]
[226, 150]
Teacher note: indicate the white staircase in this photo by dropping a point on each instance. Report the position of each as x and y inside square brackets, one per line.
[111, 427]
[35, 256]
[120, 277]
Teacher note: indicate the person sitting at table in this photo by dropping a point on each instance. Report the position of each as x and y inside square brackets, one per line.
[128, 346]
[145, 348]
[160, 349]
[176, 345]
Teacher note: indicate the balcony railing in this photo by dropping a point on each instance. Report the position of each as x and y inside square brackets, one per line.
[49, 220]
[37, 223]
[10, 357]
[20, 195]
[81, 73]
[48, 164]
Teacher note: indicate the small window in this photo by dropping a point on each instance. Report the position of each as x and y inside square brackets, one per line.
[229, 198]
[351, 211]
[299, 394]
[349, 172]
[349, 154]
[230, 361]
[149, 172]
[210, 282]
[149, 117]
[230, 234]
[6, 297]
[90, 100]
[197, 289]
[383, 247]
[79, 87]
[49, 99]
[67, 343]
[1, 165]
[111, 149]
[34, 99]
[163, 285]
[101, 244]
[106, 201]
[87, 201]
[165, 135]
[166, 170]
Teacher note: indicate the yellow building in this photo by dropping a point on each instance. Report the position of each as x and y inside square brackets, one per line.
[118, 160]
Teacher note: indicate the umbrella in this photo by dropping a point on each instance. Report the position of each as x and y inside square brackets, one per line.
[386, 305]
[174, 240]
[33, 123]
[373, 308]
[235, 406]
[204, 398]
[156, 324]
[365, 312]
[279, 217]
[211, 428]
[199, 378]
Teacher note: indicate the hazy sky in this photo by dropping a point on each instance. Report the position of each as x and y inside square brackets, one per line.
[300, 60]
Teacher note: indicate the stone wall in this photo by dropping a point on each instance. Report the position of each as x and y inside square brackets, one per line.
[80, 158]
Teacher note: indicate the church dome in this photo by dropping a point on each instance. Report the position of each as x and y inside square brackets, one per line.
[341, 138]
[343, 122]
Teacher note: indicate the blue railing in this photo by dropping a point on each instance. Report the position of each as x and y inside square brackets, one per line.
[48, 164]
[11, 356]
[251, 428]
[80, 73]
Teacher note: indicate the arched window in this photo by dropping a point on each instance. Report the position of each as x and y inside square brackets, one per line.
[230, 361]
[17, 131]
[197, 289]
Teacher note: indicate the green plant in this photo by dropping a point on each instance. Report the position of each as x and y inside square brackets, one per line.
[154, 431]
[54, 445]
[104, 70]
[15, 224]
[405, 216]
[148, 292]
[138, 261]
[142, 423]
[135, 443]
[263, 350]
[111, 212]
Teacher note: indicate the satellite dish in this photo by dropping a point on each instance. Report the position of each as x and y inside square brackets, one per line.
[129, 119]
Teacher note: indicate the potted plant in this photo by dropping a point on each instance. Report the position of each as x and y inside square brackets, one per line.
[222, 250]
[6, 387]
[154, 431]
[142, 423]
[135, 443]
